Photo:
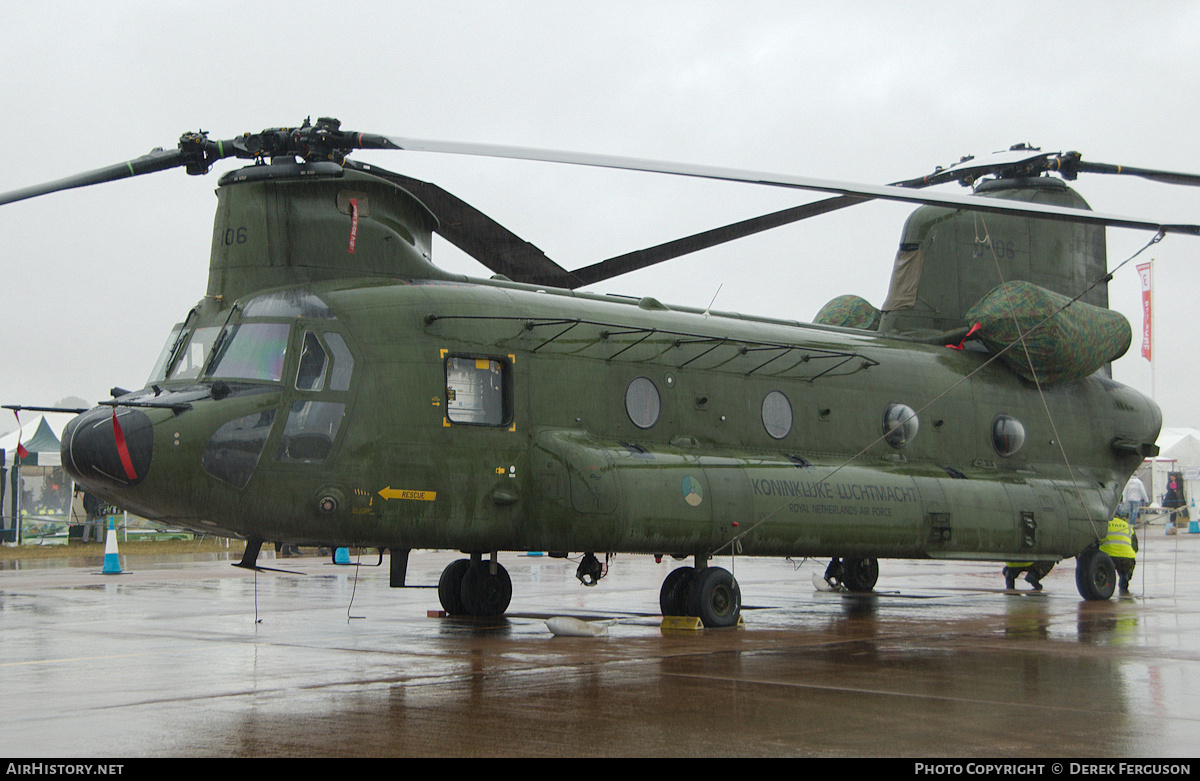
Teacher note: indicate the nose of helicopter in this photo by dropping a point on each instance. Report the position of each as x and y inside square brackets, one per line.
[108, 448]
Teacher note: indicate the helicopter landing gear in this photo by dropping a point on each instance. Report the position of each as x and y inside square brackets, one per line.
[473, 587]
[853, 574]
[711, 594]
[1095, 574]
[590, 570]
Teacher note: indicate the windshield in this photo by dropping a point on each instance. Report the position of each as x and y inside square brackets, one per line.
[254, 351]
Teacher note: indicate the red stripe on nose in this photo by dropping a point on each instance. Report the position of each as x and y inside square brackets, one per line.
[122, 449]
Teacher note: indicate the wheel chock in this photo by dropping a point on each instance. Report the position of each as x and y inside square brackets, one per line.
[688, 623]
[692, 623]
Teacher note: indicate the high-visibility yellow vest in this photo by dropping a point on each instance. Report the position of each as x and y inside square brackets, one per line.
[1119, 542]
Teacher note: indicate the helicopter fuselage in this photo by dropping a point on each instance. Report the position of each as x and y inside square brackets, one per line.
[489, 416]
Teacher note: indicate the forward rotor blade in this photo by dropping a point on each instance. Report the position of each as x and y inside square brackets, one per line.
[884, 192]
[158, 160]
[481, 237]
[195, 152]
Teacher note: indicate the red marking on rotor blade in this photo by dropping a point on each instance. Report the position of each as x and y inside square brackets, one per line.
[122, 450]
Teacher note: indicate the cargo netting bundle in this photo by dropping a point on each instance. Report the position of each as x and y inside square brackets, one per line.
[1070, 345]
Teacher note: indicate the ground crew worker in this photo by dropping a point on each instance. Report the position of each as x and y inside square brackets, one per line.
[1034, 572]
[1119, 547]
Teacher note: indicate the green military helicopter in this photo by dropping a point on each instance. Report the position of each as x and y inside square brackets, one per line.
[335, 387]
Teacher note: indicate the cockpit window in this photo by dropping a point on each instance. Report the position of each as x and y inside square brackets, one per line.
[310, 431]
[194, 355]
[288, 303]
[159, 371]
[254, 351]
[343, 361]
[311, 374]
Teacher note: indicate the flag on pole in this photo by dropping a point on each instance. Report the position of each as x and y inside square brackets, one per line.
[1146, 277]
[22, 452]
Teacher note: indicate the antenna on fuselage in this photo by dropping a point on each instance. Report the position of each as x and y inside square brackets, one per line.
[714, 299]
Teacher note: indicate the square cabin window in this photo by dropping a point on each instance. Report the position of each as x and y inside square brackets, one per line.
[475, 391]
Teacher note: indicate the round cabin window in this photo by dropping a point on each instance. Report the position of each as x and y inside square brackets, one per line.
[899, 425]
[642, 402]
[777, 414]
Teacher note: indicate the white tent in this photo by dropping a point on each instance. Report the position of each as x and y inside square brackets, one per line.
[1179, 451]
[36, 490]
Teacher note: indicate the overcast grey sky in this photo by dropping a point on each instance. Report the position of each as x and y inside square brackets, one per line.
[92, 280]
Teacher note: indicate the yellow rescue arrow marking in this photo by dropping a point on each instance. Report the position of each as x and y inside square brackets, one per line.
[402, 493]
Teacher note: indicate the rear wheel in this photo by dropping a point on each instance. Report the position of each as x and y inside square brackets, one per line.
[1095, 575]
[715, 597]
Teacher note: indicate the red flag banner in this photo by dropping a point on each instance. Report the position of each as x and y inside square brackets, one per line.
[21, 451]
[1146, 277]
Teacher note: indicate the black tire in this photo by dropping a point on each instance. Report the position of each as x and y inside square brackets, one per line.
[714, 597]
[450, 587]
[860, 574]
[485, 594]
[672, 599]
[1095, 575]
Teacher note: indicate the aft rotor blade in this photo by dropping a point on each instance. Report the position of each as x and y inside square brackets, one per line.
[884, 192]
[632, 261]
[1166, 177]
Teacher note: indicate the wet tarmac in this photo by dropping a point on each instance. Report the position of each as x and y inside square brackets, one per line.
[197, 658]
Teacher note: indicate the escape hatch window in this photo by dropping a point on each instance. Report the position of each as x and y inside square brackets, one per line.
[642, 402]
[899, 425]
[476, 391]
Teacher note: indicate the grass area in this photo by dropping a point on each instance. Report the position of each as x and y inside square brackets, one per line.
[128, 548]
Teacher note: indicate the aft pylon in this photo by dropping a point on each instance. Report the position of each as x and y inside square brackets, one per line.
[112, 562]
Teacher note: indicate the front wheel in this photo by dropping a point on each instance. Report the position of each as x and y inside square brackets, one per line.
[673, 596]
[1095, 575]
[450, 587]
[860, 574]
[485, 593]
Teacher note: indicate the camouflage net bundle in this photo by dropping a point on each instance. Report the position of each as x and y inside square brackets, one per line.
[1071, 345]
[850, 312]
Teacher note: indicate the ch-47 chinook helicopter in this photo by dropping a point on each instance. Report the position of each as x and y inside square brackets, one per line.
[334, 387]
